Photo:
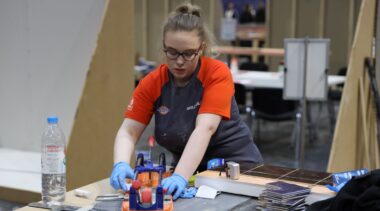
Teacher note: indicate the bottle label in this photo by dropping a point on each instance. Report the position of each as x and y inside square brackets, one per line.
[54, 160]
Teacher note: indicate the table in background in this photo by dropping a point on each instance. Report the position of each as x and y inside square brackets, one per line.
[275, 80]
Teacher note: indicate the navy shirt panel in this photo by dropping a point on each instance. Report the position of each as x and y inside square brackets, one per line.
[175, 113]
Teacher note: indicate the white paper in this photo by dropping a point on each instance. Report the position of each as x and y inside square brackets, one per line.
[228, 29]
[207, 192]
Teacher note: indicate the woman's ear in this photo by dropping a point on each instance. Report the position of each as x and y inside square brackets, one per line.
[203, 48]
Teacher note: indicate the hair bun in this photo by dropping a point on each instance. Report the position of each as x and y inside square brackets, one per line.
[188, 8]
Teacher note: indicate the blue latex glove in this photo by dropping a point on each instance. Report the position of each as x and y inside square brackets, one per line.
[121, 170]
[336, 188]
[175, 185]
[189, 193]
[341, 178]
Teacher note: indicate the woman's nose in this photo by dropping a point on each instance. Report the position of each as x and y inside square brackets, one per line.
[180, 60]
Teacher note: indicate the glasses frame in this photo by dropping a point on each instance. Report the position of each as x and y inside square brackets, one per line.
[195, 54]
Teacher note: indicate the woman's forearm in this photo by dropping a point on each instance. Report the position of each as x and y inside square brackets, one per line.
[126, 139]
[124, 148]
[197, 144]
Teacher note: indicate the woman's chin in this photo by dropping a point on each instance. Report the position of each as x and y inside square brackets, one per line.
[181, 80]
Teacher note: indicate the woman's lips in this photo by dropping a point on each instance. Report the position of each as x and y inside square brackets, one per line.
[180, 70]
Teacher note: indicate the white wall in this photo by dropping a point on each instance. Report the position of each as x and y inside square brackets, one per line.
[45, 51]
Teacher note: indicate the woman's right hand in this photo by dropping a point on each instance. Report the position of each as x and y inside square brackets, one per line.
[120, 172]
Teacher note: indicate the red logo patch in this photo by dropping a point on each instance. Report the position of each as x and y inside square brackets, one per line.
[163, 110]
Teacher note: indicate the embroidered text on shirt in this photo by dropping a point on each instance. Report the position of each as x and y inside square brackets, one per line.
[193, 106]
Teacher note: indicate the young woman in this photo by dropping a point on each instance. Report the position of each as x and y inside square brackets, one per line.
[192, 99]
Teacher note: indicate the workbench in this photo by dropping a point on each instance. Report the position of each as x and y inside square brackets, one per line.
[224, 201]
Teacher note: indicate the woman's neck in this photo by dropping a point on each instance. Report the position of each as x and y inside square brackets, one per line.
[181, 83]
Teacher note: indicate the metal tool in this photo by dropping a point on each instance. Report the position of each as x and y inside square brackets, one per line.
[146, 192]
[233, 170]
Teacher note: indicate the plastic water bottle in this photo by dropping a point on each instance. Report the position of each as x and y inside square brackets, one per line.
[53, 161]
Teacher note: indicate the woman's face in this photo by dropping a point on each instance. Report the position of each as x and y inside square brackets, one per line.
[182, 50]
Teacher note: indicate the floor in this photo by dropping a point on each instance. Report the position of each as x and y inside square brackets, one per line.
[274, 142]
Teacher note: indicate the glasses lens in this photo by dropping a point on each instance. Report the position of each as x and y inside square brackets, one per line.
[189, 55]
[171, 53]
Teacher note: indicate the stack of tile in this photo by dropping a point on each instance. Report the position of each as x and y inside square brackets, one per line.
[282, 196]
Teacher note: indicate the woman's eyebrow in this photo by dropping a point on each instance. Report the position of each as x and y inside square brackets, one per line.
[190, 49]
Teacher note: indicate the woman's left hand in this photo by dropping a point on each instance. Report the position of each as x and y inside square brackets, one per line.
[175, 185]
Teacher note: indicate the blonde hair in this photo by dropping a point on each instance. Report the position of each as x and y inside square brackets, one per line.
[187, 17]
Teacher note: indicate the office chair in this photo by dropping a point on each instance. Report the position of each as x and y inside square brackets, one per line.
[240, 90]
[334, 95]
[241, 100]
[268, 104]
[257, 66]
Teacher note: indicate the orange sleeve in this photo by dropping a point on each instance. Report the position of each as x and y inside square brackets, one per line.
[140, 107]
[218, 88]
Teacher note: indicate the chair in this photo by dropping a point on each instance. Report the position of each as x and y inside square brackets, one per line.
[334, 95]
[241, 91]
[241, 101]
[268, 104]
[257, 66]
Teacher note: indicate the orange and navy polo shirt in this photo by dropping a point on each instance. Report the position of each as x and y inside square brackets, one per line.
[210, 90]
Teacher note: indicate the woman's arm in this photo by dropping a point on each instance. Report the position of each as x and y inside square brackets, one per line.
[205, 126]
[126, 139]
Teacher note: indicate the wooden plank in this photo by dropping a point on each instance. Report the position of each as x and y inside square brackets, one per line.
[254, 185]
[250, 36]
[343, 154]
[280, 24]
[251, 28]
[20, 196]
[372, 135]
[372, 129]
[307, 24]
[363, 113]
[248, 51]
[106, 93]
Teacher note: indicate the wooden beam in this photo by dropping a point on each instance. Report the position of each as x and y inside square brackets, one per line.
[363, 112]
[322, 19]
[20, 196]
[108, 87]
[248, 51]
[347, 152]
[144, 33]
[351, 25]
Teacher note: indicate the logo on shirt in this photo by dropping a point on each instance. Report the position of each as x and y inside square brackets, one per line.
[193, 106]
[130, 106]
[163, 110]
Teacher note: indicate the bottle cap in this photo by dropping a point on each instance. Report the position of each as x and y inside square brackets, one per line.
[52, 119]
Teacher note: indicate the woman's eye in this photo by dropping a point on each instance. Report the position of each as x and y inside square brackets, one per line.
[172, 52]
[188, 53]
